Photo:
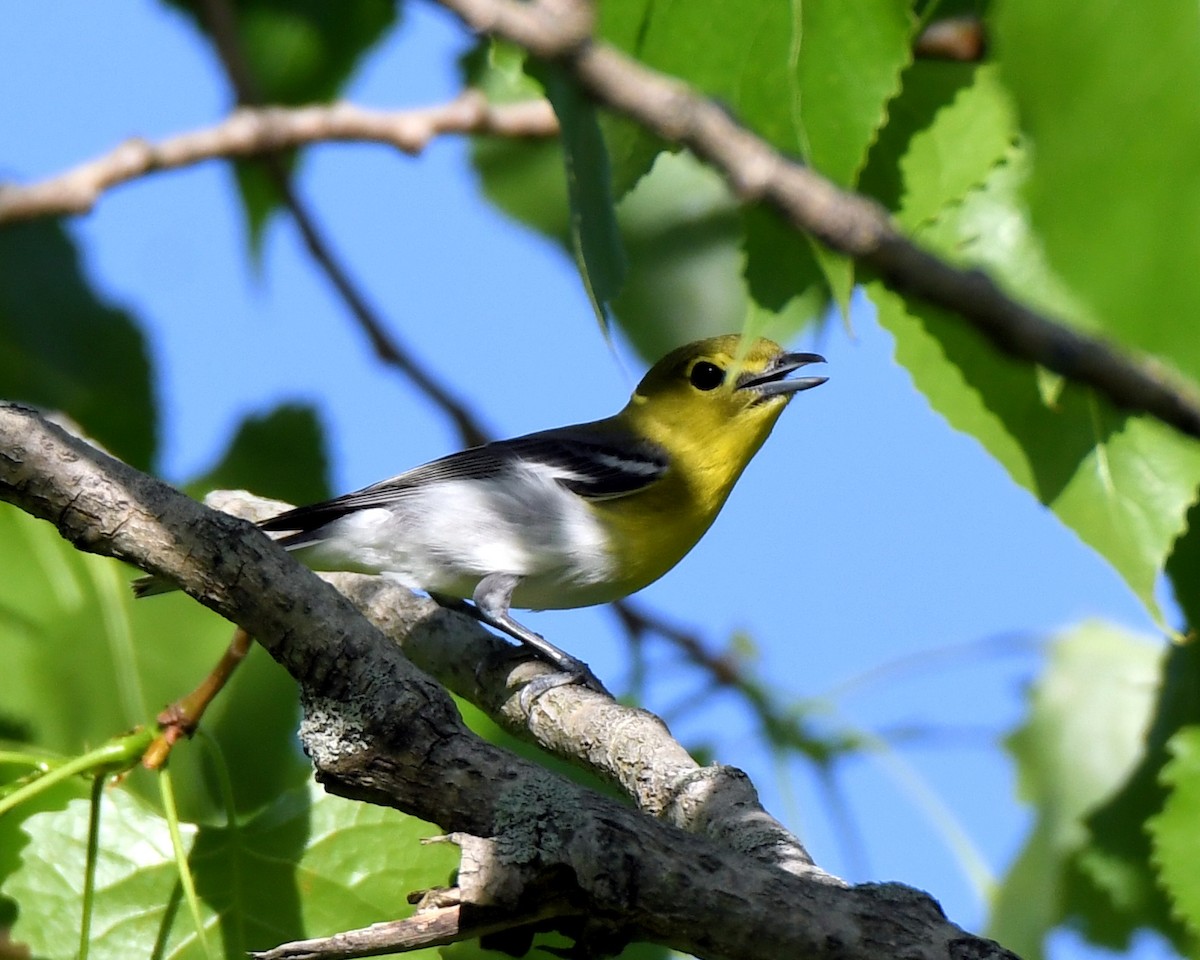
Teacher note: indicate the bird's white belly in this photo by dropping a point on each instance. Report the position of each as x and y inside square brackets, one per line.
[448, 537]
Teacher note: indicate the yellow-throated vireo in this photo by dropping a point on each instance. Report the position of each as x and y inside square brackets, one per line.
[568, 517]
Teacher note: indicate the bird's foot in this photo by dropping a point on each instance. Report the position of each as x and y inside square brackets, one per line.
[571, 671]
[568, 671]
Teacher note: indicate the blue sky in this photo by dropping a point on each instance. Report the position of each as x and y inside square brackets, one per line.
[866, 533]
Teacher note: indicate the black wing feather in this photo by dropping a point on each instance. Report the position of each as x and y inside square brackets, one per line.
[592, 468]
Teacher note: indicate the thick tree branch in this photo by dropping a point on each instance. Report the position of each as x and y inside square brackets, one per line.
[379, 730]
[843, 221]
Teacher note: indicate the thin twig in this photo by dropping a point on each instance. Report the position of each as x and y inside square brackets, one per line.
[843, 221]
[434, 927]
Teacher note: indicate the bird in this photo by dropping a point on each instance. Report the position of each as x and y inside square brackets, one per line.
[567, 517]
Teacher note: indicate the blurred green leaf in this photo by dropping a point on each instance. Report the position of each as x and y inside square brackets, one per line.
[310, 865]
[595, 237]
[682, 229]
[85, 661]
[783, 266]
[280, 454]
[1105, 91]
[1083, 736]
[1123, 483]
[65, 349]
[1173, 832]
[524, 178]
[296, 52]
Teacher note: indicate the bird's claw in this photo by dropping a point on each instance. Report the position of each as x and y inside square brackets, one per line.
[579, 673]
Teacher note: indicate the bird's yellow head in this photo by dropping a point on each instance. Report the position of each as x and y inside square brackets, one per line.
[712, 403]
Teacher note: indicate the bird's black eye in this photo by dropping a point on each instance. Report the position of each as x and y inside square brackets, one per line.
[706, 376]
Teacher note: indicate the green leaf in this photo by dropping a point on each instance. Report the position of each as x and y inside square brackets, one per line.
[280, 454]
[310, 865]
[65, 349]
[595, 237]
[1176, 842]
[848, 58]
[1113, 887]
[1123, 483]
[84, 661]
[521, 177]
[1082, 738]
[811, 78]
[296, 52]
[951, 125]
[1183, 569]
[682, 231]
[783, 265]
[1106, 93]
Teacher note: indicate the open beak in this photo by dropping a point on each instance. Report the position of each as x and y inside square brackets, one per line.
[774, 382]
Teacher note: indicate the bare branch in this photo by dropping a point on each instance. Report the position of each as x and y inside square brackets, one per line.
[843, 221]
[253, 131]
[378, 730]
[435, 927]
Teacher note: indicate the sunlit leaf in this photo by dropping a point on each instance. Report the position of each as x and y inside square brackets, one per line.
[1105, 92]
[1123, 483]
[310, 865]
[1173, 832]
[127, 659]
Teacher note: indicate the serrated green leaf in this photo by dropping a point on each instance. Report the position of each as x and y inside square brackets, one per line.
[1183, 569]
[632, 151]
[310, 865]
[813, 79]
[280, 454]
[1123, 483]
[1173, 833]
[64, 348]
[595, 237]
[849, 58]
[1105, 91]
[951, 125]
[1081, 739]
[1113, 889]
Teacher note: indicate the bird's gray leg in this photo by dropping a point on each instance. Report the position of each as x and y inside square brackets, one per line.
[492, 599]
